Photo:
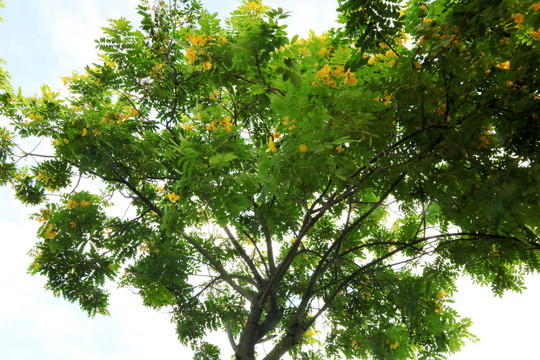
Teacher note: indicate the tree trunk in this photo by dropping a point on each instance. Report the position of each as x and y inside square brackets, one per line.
[251, 334]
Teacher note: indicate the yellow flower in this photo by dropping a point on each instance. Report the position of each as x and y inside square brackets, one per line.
[72, 224]
[488, 71]
[324, 71]
[190, 54]
[159, 188]
[371, 61]
[226, 121]
[188, 127]
[211, 127]
[536, 6]
[271, 145]
[222, 39]
[173, 197]
[207, 65]
[339, 149]
[504, 65]
[277, 135]
[303, 148]
[518, 18]
[197, 41]
[352, 81]
[228, 129]
[52, 235]
[84, 132]
[340, 70]
[84, 203]
[509, 83]
[394, 345]
[323, 52]
[485, 141]
[417, 64]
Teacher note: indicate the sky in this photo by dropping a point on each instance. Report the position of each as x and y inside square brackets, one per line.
[43, 40]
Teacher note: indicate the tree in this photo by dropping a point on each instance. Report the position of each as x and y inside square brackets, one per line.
[289, 191]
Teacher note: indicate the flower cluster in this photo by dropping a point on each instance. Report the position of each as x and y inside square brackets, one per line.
[388, 56]
[44, 215]
[224, 122]
[253, 7]
[518, 18]
[484, 139]
[49, 232]
[72, 203]
[504, 65]
[147, 247]
[201, 40]
[329, 76]
[198, 40]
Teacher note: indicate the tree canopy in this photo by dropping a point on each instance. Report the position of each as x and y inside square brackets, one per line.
[320, 195]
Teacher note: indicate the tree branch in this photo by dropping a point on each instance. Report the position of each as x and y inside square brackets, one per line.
[244, 256]
[218, 267]
[323, 263]
[230, 335]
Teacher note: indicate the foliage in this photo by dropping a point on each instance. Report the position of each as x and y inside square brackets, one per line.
[305, 193]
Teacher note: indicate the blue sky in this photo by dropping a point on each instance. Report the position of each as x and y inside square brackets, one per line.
[43, 40]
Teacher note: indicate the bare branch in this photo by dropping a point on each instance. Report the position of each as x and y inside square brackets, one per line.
[244, 256]
[218, 267]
